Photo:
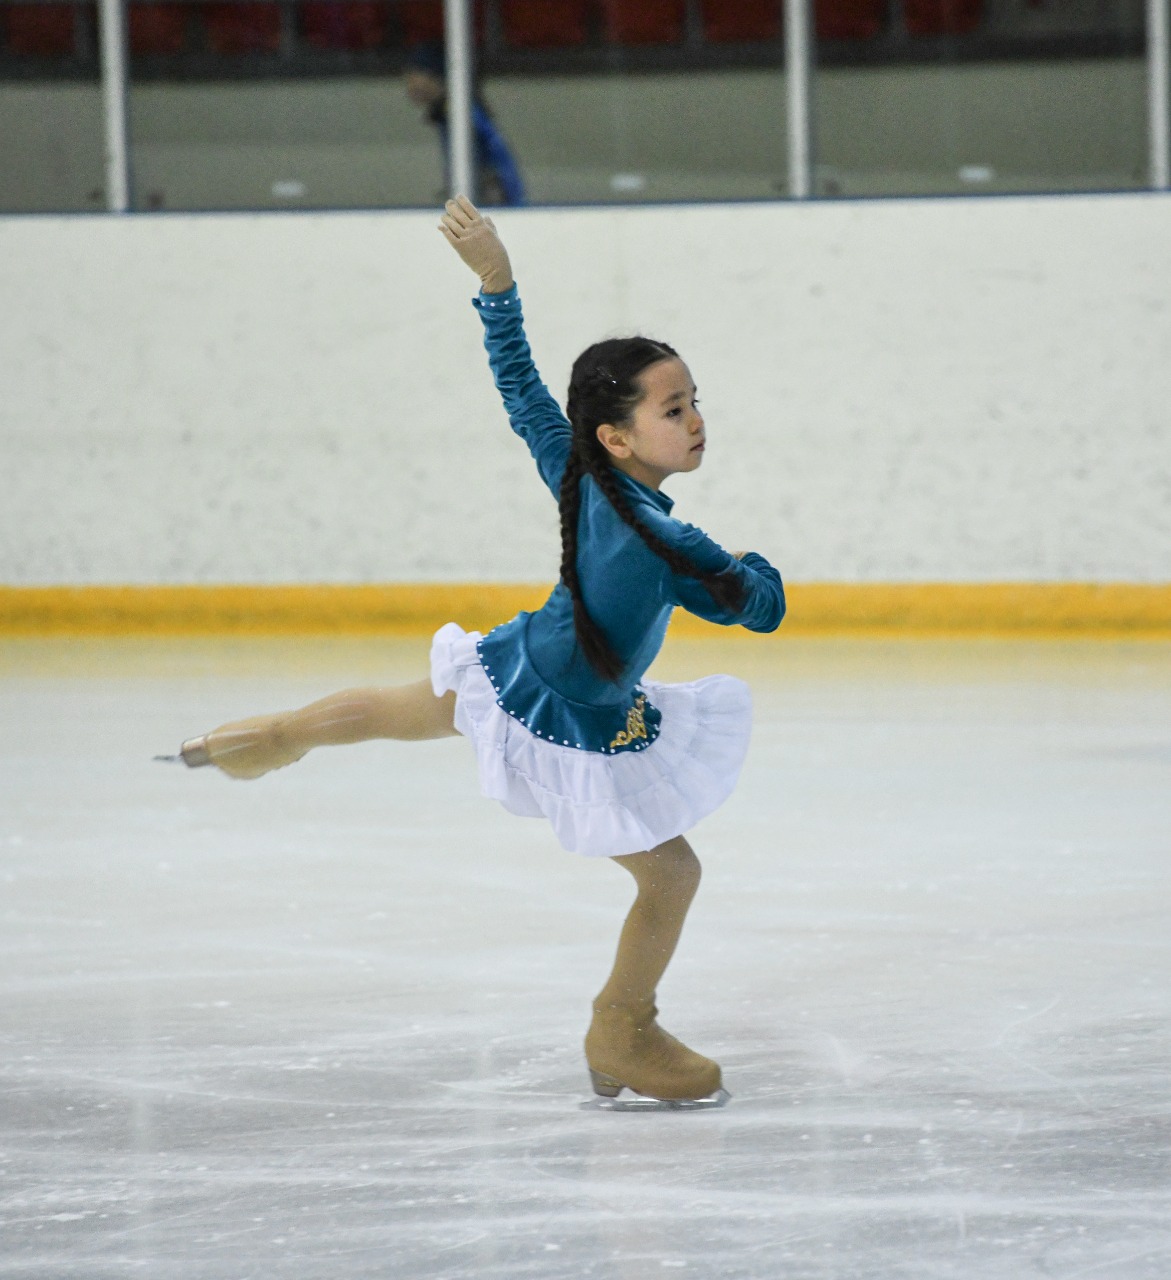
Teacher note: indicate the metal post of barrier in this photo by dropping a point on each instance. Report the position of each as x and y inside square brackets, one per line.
[798, 64]
[461, 167]
[112, 21]
[1159, 92]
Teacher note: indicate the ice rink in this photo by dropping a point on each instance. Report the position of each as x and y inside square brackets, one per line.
[329, 1024]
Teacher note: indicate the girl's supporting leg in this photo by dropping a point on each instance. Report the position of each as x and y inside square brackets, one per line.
[249, 748]
[625, 1045]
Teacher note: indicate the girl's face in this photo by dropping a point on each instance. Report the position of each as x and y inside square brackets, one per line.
[665, 434]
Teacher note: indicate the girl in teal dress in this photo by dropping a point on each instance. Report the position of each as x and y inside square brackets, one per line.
[555, 703]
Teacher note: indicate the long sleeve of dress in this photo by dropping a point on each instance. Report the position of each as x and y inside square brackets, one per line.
[764, 594]
[532, 412]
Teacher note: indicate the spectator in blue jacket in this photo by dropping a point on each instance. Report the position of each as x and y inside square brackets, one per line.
[497, 176]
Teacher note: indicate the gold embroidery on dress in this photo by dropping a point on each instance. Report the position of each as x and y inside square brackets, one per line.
[635, 724]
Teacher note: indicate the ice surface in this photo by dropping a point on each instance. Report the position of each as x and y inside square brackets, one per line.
[328, 1024]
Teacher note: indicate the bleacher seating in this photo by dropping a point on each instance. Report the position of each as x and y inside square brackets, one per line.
[420, 20]
[942, 17]
[643, 21]
[157, 30]
[233, 29]
[39, 30]
[544, 24]
[352, 25]
[740, 21]
[849, 19]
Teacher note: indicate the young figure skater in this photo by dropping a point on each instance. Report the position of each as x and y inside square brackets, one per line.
[554, 702]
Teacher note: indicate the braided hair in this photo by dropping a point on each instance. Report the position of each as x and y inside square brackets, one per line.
[604, 387]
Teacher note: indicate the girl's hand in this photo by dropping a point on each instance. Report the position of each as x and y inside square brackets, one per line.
[474, 238]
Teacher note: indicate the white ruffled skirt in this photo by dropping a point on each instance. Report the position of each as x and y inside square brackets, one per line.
[602, 805]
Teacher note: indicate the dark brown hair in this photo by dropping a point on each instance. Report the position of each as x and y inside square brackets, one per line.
[604, 387]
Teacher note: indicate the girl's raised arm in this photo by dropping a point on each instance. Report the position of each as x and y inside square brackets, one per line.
[532, 412]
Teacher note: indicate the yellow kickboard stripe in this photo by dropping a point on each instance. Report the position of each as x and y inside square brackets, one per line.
[1054, 608]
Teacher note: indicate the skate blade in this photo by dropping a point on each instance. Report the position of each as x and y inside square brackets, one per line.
[636, 1102]
[193, 753]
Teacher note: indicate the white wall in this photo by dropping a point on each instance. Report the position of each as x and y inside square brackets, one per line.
[913, 390]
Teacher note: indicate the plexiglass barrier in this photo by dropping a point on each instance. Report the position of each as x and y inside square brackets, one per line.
[260, 104]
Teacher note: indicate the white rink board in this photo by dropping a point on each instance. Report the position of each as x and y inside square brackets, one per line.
[960, 390]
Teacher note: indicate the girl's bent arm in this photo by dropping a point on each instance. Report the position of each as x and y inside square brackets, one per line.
[763, 604]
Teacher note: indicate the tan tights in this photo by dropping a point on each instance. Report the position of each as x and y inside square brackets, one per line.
[625, 1045]
[667, 878]
[412, 712]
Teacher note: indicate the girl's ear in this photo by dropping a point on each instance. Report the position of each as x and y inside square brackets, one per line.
[612, 439]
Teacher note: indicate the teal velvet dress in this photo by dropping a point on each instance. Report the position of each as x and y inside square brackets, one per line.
[616, 766]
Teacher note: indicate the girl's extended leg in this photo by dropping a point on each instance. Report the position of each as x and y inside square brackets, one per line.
[625, 1045]
[249, 748]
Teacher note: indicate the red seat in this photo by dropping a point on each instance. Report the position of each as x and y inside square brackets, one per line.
[740, 20]
[157, 28]
[643, 21]
[357, 24]
[40, 31]
[544, 24]
[849, 19]
[242, 28]
[942, 17]
[422, 20]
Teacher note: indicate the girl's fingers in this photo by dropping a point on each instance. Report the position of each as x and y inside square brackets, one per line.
[462, 212]
[463, 226]
[468, 208]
